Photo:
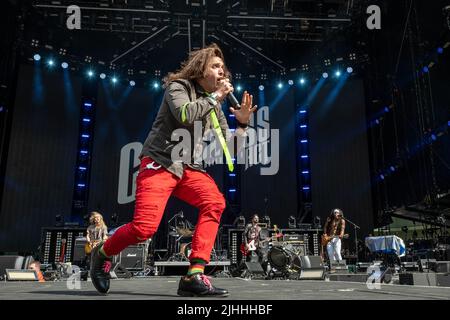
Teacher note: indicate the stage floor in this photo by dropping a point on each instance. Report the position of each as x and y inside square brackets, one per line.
[165, 287]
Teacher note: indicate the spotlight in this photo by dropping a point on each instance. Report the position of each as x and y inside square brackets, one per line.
[155, 85]
[132, 83]
[386, 109]
[433, 137]
[64, 65]
[337, 73]
[114, 80]
[325, 75]
[302, 81]
[280, 85]
[440, 50]
[349, 69]
[392, 168]
[425, 69]
[50, 63]
[90, 73]
[291, 82]
[381, 177]
[102, 76]
[37, 57]
[238, 88]
[261, 88]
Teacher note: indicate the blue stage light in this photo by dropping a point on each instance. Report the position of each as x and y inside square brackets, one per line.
[50, 63]
[306, 188]
[392, 168]
[64, 65]
[305, 172]
[90, 73]
[114, 80]
[238, 88]
[349, 69]
[86, 120]
[325, 75]
[448, 123]
[155, 85]
[82, 168]
[302, 111]
[132, 83]
[305, 156]
[381, 177]
[81, 185]
[83, 152]
[261, 88]
[440, 50]
[337, 73]
[231, 190]
[302, 81]
[290, 82]
[425, 69]
[232, 175]
[304, 141]
[37, 57]
[102, 76]
[85, 136]
[303, 126]
[280, 85]
[386, 109]
[433, 137]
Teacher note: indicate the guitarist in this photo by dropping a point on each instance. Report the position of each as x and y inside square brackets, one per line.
[96, 232]
[333, 233]
[252, 238]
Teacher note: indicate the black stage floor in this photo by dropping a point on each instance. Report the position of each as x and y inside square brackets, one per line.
[165, 287]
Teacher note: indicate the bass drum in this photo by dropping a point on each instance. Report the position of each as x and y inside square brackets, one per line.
[284, 259]
[185, 250]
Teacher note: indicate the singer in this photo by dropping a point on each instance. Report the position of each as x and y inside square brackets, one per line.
[193, 93]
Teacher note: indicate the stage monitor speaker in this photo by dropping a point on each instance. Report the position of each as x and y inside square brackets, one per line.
[21, 275]
[440, 266]
[254, 267]
[425, 264]
[10, 262]
[311, 268]
[418, 278]
[133, 257]
[79, 253]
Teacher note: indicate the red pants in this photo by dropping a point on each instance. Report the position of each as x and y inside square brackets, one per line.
[154, 187]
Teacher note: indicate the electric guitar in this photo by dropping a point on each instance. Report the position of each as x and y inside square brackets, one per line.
[90, 245]
[326, 238]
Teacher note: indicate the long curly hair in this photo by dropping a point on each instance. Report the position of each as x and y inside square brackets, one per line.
[195, 66]
[96, 214]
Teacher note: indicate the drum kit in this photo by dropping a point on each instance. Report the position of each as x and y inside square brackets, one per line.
[179, 238]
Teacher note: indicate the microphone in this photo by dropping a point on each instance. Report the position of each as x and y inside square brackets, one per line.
[233, 101]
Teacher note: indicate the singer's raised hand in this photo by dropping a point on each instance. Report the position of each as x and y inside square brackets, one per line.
[243, 114]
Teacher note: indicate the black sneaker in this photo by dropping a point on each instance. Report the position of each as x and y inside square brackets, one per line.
[199, 285]
[100, 268]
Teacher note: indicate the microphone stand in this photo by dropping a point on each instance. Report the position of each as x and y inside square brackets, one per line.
[356, 227]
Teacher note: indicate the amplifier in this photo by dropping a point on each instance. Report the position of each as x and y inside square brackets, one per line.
[235, 239]
[132, 258]
[293, 238]
[56, 240]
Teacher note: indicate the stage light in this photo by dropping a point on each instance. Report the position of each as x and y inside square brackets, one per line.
[349, 69]
[290, 82]
[81, 185]
[337, 73]
[305, 156]
[440, 50]
[86, 120]
[303, 126]
[238, 88]
[64, 65]
[381, 177]
[114, 80]
[433, 137]
[448, 123]
[88, 104]
[302, 111]
[325, 75]
[50, 63]
[155, 85]
[85, 136]
[377, 121]
[37, 57]
[90, 73]
[304, 141]
[261, 88]
[302, 81]
[306, 188]
[386, 109]
[425, 69]
[102, 76]
[132, 83]
[280, 85]
[83, 152]
[82, 168]
[232, 175]
[305, 172]
[232, 190]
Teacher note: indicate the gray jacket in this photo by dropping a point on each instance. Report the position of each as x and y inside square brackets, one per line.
[184, 103]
